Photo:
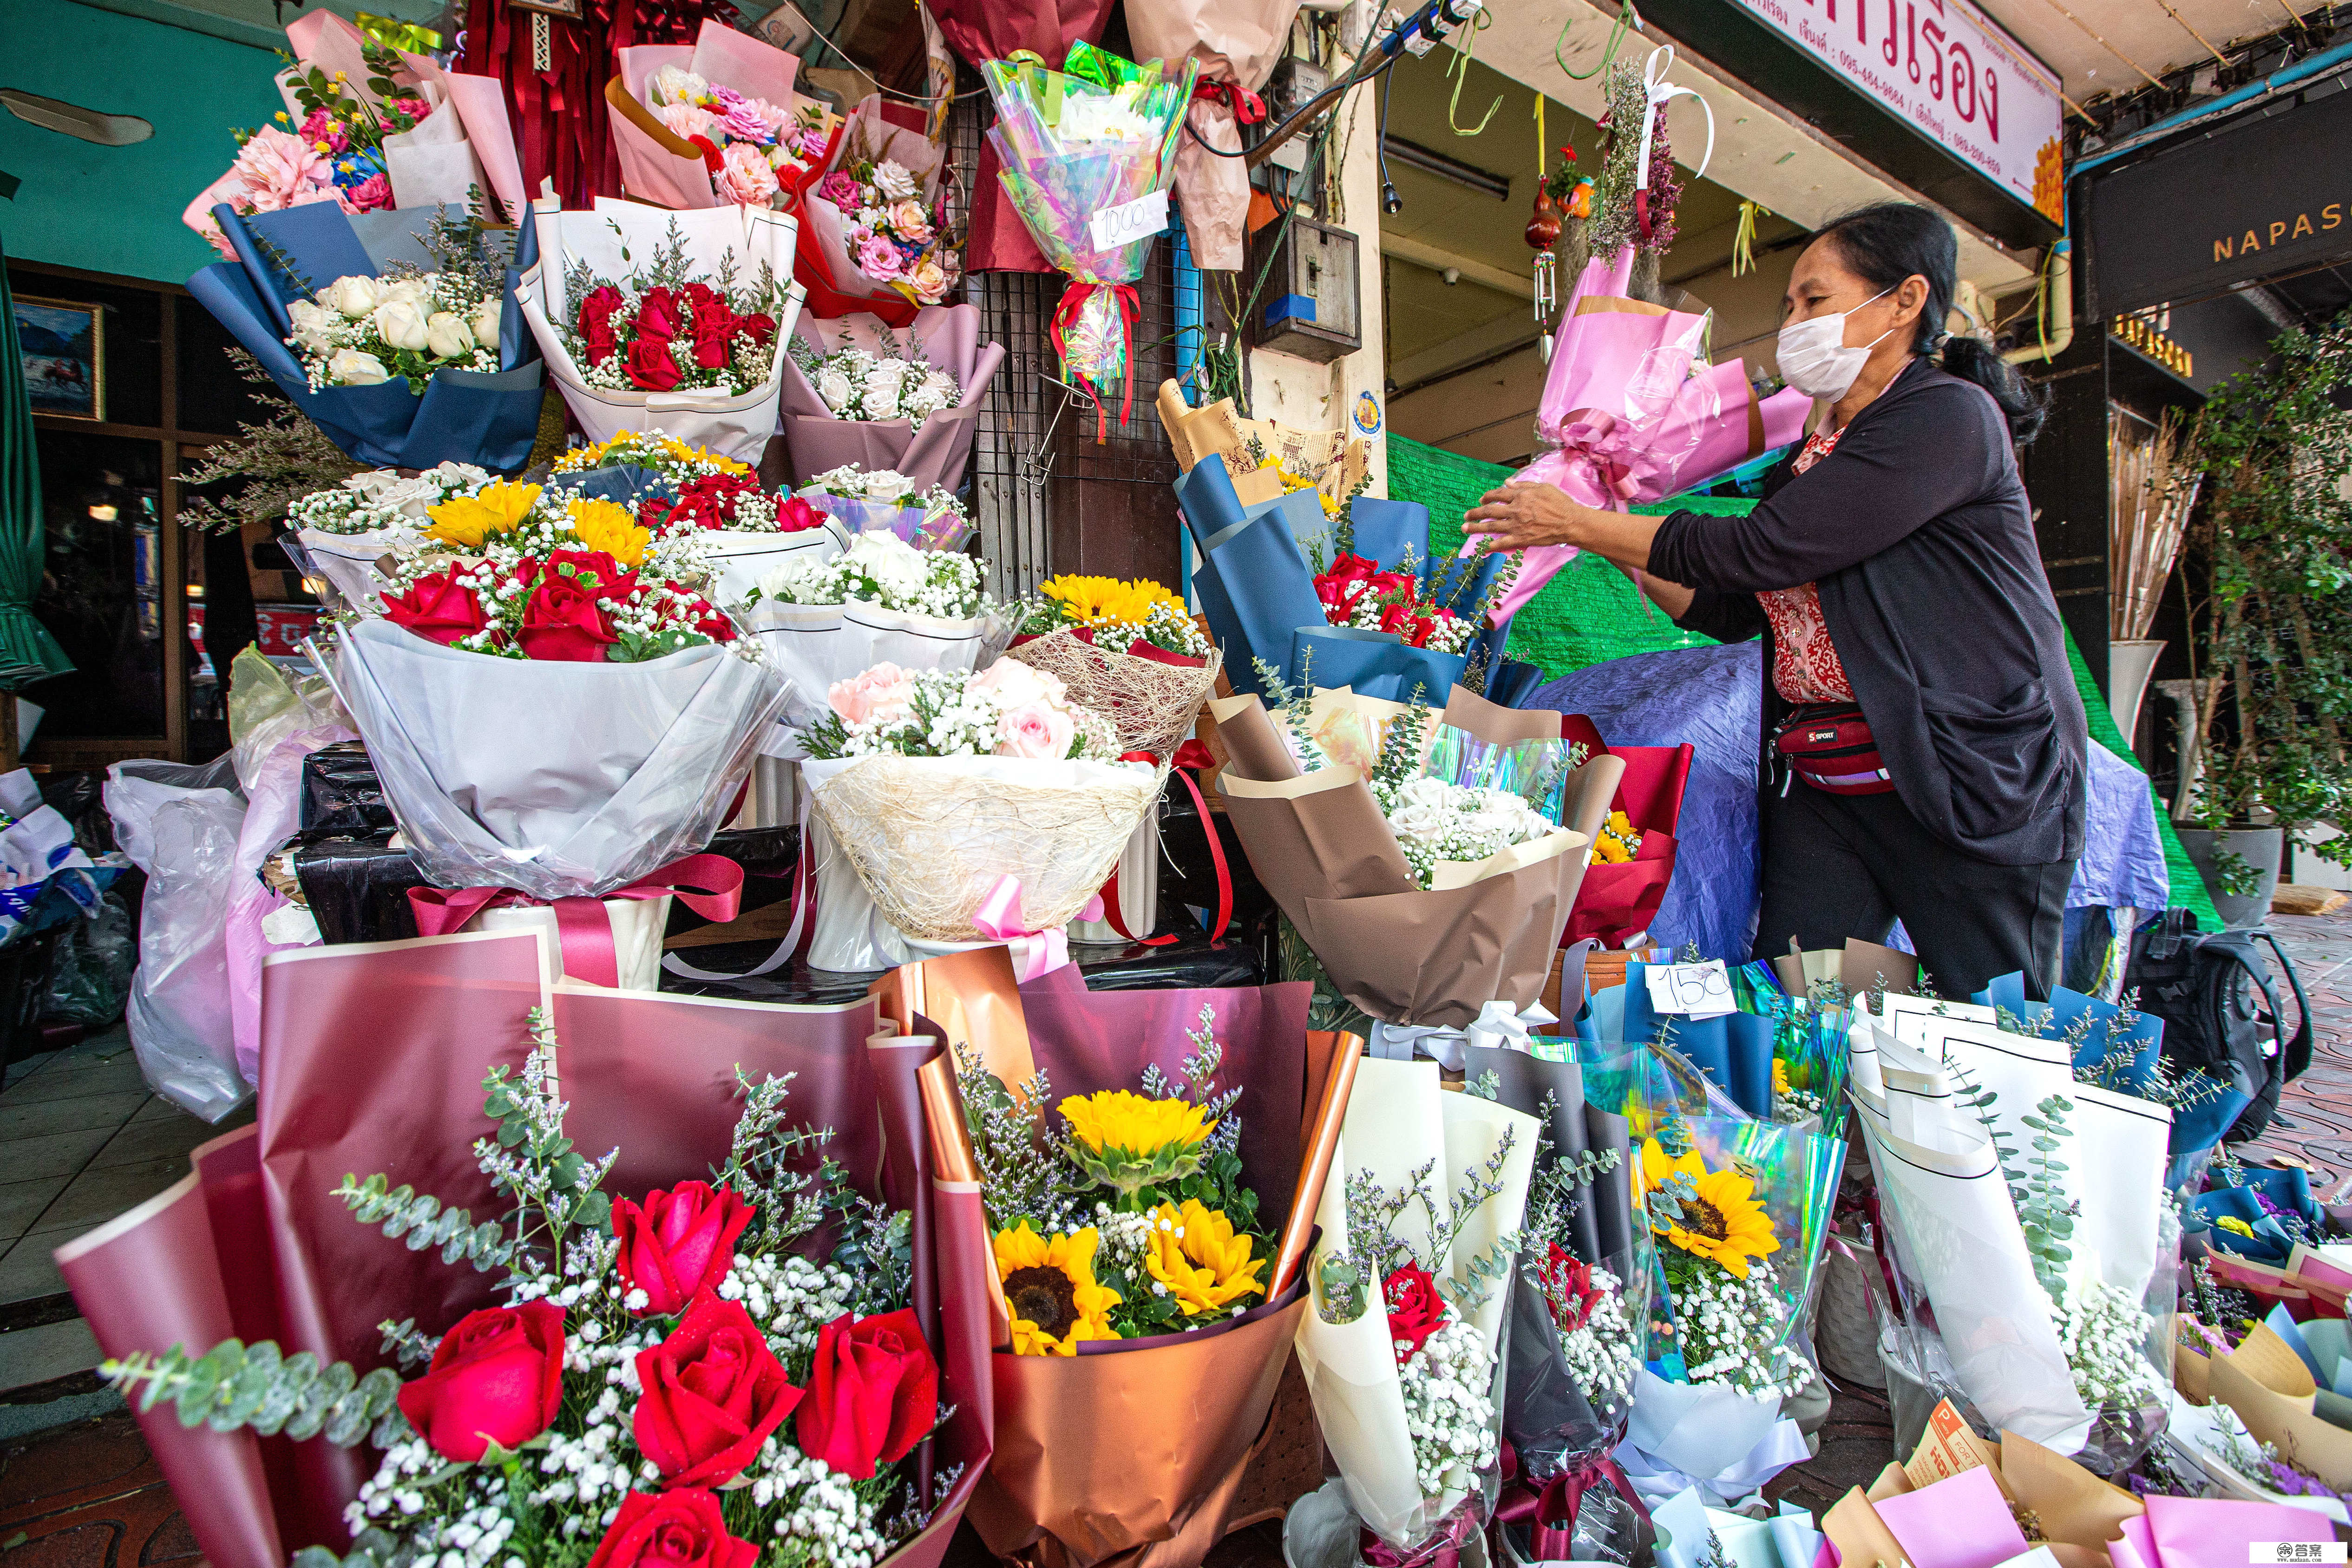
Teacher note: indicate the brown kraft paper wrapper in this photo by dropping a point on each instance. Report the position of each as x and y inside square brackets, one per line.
[1131, 1453]
[373, 1060]
[1319, 843]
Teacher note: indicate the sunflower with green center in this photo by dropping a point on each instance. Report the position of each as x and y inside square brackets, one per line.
[1050, 1293]
[1720, 1219]
[1128, 1142]
[1196, 1254]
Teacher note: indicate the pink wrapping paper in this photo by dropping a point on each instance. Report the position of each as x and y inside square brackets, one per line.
[1236, 42]
[1630, 412]
[821, 223]
[652, 169]
[1961, 1522]
[949, 337]
[2207, 1532]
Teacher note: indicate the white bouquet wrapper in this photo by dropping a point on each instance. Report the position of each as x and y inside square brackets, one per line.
[1957, 1226]
[846, 931]
[1399, 1117]
[636, 923]
[930, 837]
[1139, 890]
[1724, 1442]
[739, 557]
[816, 644]
[348, 560]
[561, 779]
[737, 427]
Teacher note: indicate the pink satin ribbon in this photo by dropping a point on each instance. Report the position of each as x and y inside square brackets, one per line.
[1549, 1510]
[999, 919]
[711, 885]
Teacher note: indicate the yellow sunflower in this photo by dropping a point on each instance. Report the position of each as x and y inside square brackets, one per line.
[1720, 1221]
[1128, 1141]
[1618, 842]
[1093, 600]
[1779, 1077]
[471, 521]
[1195, 1253]
[607, 526]
[1050, 1292]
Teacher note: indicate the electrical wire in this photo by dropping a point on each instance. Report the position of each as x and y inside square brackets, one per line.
[865, 71]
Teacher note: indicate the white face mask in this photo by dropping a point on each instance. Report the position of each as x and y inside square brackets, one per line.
[1814, 358]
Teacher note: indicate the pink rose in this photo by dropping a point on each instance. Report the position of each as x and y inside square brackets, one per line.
[1035, 730]
[909, 221]
[687, 119]
[371, 194]
[1016, 685]
[744, 177]
[885, 692]
[878, 260]
[840, 189]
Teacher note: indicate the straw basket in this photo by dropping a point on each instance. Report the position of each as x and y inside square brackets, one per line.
[1151, 704]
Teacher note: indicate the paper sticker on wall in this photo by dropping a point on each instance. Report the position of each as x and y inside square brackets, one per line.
[1368, 414]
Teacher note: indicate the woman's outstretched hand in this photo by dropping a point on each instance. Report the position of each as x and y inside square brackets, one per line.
[1523, 516]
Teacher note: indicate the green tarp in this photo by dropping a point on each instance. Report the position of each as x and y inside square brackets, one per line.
[28, 651]
[1591, 612]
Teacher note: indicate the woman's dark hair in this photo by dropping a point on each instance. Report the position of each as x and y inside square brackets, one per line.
[1887, 242]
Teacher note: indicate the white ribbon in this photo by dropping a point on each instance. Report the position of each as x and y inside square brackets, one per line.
[1656, 1481]
[1498, 1027]
[1659, 91]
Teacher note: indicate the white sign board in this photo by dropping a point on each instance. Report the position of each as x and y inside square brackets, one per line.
[1138, 219]
[1950, 70]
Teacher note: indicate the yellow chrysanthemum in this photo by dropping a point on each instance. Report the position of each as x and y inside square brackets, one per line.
[1050, 1293]
[1780, 1076]
[471, 521]
[1720, 1221]
[607, 526]
[2235, 1225]
[1095, 601]
[1195, 1253]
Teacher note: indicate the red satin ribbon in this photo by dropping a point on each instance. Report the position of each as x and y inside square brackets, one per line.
[1248, 107]
[1549, 1511]
[709, 885]
[1442, 1550]
[1130, 309]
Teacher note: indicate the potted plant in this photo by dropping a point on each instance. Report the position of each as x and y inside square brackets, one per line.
[2270, 634]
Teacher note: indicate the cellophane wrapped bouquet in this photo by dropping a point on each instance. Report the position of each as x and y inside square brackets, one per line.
[346, 532]
[715, 122]
[861, 392]
[883, 500]
[1075, 143]
[1128, 650]
[670, 320]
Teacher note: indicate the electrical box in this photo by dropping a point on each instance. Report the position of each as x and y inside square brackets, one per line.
[1310, 306]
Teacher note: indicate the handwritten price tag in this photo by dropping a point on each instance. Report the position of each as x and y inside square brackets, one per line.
[1130, 221]
[1690, 990]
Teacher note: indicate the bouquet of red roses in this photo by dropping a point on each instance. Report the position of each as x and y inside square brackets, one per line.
[691, 336]
[1357, 593]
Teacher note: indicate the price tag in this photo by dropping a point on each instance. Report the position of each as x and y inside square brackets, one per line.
[1129, 221]
[1692, 991]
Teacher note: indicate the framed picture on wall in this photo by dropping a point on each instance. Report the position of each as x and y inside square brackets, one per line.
[63, 346]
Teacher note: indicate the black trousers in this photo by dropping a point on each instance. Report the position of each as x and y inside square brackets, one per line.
[1840, 866]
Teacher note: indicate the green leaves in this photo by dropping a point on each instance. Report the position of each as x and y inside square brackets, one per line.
[234, 1387]
[423, 1222]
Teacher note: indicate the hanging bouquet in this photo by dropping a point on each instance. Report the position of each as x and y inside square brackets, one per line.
[876, 234]
[1126, 649]
[421, 362]
[661, 318]
[1410, 1279]
[860, 393]
[713, 123]
[1078, 145]
[882, 500]
[1005, 710]
[345, 532]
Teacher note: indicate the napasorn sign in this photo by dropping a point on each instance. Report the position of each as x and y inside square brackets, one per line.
[2271, 196]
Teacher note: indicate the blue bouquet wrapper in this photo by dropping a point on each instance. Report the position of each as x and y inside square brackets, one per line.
[1733, 1051]
[489, 418]
[625, 484]
[1255, 582]
[1373, 664]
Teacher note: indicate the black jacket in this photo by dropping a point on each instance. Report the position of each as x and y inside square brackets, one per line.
[1917, 531]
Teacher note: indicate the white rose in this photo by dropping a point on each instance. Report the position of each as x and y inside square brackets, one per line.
[353, 368]
[885, 381]
[446, 336]
[313, 326]
[893, 563]
[894, 180]
[484, 322]
[835, 388]
[415, 291]
[401, 324]
[387, 491]
[884, 485]
[941, 386]
[353, 297]
[675, 84]
[452, 476]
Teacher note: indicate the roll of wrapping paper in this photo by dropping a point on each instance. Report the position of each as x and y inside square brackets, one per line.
[1096, 135]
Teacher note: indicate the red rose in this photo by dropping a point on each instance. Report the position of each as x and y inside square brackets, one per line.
[1416, 1309]
[873, 1392]
[710, 620]
[712, 159]
[699, 297]
[713, 340]
[796, 516]
[597, 309]
[594, 572]
[650, 366]
[759, 325]
[680, 1529]
[498, 1378]
[713, 1392]
[437, 606]
[679, 1243]
[658, 313]
[1401, 619]
[563, 621]
[602, 344]
[1342, 586]
[1568, 1288]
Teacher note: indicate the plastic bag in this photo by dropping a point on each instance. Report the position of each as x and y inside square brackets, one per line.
[90, 977]
[179, 824]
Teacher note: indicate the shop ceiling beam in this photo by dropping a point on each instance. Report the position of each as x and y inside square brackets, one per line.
[1435, 258]
[1762, 151]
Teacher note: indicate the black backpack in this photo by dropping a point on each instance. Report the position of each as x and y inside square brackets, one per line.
[2203, 986]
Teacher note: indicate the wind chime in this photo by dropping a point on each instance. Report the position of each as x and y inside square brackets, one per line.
[1559, 197]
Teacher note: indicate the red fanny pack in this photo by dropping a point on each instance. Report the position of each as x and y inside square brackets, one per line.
[1831, 748]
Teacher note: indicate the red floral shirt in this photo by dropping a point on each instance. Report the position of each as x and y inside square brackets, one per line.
[1805, 667]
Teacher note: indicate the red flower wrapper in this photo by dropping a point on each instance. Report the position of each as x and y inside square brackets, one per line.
[257, 1246]
[1618, 899]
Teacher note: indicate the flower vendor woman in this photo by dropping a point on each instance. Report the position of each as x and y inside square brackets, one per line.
[1923, 743]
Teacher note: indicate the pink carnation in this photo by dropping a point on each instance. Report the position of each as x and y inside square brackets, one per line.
[878, 260]
[744, 177]
[883, 692]
[811, 142]
[749, 120]
[416, 109]
[371, 194]
[687, 119]
[319, 126]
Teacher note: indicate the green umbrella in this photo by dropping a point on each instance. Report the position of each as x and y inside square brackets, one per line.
[28, 651]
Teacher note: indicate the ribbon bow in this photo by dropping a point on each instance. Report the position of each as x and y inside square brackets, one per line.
[1659, 93]
[1074, 300]
[999, 919]
[1441, 1550]
[709, 885]
[1498, 1027]
[1549, 1510]
[1248, 107]
[1612, 464]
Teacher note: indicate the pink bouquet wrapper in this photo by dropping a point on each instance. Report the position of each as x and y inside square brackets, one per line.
[653, 169]
[947, 336]
[832, 275]
[1632, 412]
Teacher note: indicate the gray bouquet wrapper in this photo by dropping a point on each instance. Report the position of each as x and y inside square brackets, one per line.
[945, 336]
